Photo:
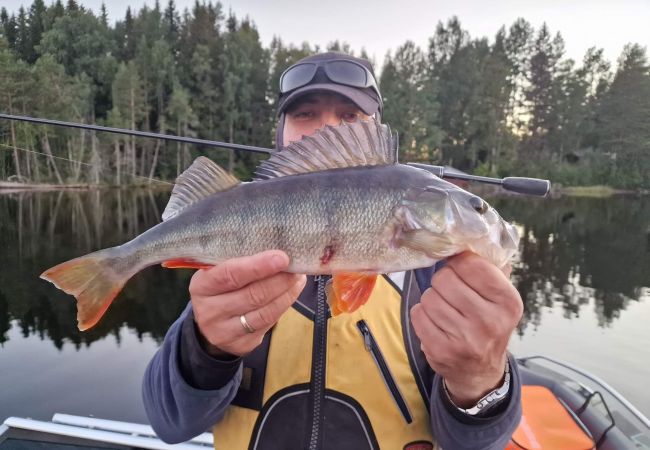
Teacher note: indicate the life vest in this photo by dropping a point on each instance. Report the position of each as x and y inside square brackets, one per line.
[354, 381]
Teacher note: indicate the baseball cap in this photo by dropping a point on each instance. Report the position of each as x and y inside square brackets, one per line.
[332, 72]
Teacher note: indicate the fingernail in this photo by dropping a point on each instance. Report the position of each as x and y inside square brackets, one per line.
[278, 262]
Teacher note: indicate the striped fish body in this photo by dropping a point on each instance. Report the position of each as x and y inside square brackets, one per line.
[338, 220]
[336, 203]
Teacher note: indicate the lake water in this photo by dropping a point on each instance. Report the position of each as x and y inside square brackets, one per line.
[583, 272]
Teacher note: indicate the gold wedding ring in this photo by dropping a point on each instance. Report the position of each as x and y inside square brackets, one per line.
[245, 324]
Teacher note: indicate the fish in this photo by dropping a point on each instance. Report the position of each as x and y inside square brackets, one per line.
[337, 202]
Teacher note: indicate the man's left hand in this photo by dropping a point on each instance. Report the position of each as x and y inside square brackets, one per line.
[464, 322]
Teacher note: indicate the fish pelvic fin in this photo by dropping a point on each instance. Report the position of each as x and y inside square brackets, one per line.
[92, 280]
[360, 143]
[185, 263]
[349, 291]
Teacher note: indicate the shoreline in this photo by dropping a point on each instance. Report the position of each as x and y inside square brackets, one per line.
[10, 187]
[596, 191]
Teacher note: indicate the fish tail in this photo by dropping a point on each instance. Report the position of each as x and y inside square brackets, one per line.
[92, 280]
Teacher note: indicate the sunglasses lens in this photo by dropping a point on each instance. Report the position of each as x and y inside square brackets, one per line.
[346, 73]
[297, 77]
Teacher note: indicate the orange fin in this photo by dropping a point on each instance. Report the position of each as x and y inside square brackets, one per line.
[92, 280]
[349, 291]
[184, 263]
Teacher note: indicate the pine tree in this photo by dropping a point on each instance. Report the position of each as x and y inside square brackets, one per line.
[80, 43]
[596, 73]
[543, 65]
[72, 6]
[410, 106]
[129, 104]
[172, 27]
[54, 12]
[22, 36]
[517, 47]
[14, 79]
[181, 121]
[103, 15]
[37, 21]
[625, 114]
[9, 29]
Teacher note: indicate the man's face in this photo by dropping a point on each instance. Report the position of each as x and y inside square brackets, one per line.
[314, 111]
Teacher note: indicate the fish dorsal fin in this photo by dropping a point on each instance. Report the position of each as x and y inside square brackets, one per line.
[361, 143]
[202, 179]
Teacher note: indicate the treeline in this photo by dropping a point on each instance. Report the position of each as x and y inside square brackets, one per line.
[508, 105]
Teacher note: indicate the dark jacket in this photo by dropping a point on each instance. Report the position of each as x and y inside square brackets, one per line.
[186, 391]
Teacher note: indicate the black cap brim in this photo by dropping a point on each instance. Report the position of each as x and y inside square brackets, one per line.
[359, 97]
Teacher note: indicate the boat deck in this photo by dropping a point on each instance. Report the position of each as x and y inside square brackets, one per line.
[67, 432]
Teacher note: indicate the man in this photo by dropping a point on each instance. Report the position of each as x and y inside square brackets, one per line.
[257, 356]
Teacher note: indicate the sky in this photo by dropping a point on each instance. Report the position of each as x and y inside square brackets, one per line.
[383, 25]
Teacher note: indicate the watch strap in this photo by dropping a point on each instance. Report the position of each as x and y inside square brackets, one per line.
[489, 400]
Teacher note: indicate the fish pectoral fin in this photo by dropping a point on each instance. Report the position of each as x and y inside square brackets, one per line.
[185, 263]
[349, 291]
[433, 245]
[419, 240]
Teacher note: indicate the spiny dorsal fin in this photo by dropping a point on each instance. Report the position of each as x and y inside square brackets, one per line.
[361, 143]
[202, 179]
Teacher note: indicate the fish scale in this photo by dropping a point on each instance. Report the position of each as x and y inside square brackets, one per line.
[353, 222]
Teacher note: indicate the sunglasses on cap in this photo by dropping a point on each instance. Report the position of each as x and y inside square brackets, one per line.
[340, 71]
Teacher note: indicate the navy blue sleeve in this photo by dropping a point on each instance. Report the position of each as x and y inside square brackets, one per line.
[176, 408]
[456, 430]
[199, 369]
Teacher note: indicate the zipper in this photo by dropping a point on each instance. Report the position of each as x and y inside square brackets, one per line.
[317, 388]
[371, 345]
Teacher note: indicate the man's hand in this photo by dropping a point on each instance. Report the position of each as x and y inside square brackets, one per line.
[464, 322]
[254, 286]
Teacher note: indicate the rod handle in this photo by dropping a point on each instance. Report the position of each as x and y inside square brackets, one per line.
[529, 186]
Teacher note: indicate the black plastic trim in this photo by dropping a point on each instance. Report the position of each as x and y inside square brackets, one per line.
[375, 351]
[424, 381]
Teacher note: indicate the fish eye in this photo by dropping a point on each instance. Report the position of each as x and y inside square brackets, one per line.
[478, 204]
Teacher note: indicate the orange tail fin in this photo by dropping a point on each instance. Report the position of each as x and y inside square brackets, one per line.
[349, 291]
[92, 280]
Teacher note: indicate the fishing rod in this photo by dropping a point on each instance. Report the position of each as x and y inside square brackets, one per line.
[147, 134]
[521, 185]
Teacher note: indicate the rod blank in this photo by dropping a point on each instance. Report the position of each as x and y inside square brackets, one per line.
[147, 134]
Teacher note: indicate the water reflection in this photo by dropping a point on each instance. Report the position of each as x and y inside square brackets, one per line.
[39, 230]
[573, 251]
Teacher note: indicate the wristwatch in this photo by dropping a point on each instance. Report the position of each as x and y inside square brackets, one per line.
[487, 402]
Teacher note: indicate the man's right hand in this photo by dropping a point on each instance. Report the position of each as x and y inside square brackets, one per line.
[254, 286]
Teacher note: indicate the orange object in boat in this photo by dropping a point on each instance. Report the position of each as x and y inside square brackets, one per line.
[546, 424]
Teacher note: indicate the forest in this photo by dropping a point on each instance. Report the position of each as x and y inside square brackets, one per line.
[509, 104]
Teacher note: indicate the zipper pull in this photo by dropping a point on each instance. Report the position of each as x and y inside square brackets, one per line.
[319, 278]
[366, 334]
